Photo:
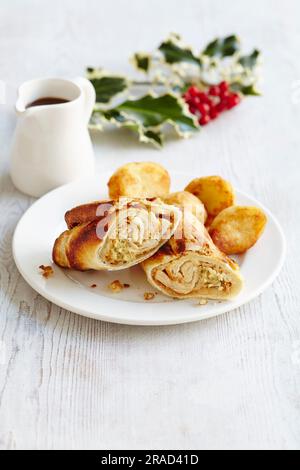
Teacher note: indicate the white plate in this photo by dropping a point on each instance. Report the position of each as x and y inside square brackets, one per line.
[44, 221]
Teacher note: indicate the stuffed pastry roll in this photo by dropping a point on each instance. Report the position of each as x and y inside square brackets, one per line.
[191, 266]
[115, 235]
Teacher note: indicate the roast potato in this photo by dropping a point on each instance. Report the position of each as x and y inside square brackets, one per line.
[145, 179]
[209, 221]
[189, 202]
[216, 193]
[237, 229]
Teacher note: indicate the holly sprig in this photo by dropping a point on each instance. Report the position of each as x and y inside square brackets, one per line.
[168, 72]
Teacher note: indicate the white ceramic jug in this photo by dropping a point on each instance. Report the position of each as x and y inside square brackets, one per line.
[52, 145]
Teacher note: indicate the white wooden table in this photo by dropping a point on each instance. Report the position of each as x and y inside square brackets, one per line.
[230, 382]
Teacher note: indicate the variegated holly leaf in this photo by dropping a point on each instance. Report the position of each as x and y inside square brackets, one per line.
[107, 86]
[147, 116]
[156, 138]
[222, 47]
[174, 51]
[250, 61]
[246, 90]
[114, 116]
[152, 111]
[142, 61]
[147, 136]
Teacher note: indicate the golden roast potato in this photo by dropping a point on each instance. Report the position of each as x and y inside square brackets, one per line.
[216, 193]
[237, 229]
[143, 180]
[189, 202]
[209, 221]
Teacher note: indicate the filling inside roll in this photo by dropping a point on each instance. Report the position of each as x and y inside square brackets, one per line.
[191, 266]
[191, 276]
[136, 233]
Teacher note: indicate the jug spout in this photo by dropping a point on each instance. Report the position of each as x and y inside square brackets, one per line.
[26, 94]
[20, 106]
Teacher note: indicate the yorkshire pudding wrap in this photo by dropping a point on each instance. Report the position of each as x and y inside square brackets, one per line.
[191, 266]
[114, 235]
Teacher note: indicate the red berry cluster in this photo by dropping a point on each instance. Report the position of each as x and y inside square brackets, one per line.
[207, 106]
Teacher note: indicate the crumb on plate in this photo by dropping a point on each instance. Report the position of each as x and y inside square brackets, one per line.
[93, 286]
[116, 287]
[126, 286]
[203, 302]
[149, 296]
[47, 271]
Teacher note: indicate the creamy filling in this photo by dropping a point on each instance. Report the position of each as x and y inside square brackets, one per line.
[186, 276]
[134, 236]
[125, 251]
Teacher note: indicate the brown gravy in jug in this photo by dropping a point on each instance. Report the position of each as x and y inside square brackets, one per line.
[47, 101]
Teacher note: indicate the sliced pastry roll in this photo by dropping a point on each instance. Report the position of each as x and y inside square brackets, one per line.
[191, 266]
[115, 235]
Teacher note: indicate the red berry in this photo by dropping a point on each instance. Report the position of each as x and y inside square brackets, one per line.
[225, 95]
[204, 120]
[210, 102]
[196, 100]
[193, 91]
[214, 113]
[233, 101]
[203, 108]
[204, 98]
[214, 91]
[222, 106]
[192, 109]
[224, 86]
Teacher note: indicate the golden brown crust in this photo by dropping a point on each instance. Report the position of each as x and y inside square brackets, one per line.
[87, 212]
[142, 179]
[98, 210]
[216, 193]
[82, 240]
[73, 248]
[209, 221]
[59, 250]
[237, 229]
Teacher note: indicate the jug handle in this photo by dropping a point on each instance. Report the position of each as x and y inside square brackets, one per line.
[89, 95]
